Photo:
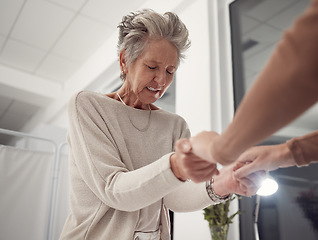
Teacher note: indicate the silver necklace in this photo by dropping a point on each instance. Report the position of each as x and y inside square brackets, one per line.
[144, 128]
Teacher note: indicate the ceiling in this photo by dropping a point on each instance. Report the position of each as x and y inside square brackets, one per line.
[52, 48]
[44, 47]
[52, 38]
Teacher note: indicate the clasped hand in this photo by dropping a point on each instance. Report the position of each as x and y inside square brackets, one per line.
[186, 165]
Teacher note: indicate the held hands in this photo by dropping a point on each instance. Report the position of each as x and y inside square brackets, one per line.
[201, 145]
[186, 165]
[265, 158]
[207, 145]
[226, 182]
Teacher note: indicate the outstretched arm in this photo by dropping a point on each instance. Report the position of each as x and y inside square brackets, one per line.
[287, 87]
[298, 151]
[265, 158]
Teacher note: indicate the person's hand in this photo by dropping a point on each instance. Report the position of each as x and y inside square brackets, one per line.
[206, 145]
[226, 183]
[265, 158]
[201, 145]
[186, 165]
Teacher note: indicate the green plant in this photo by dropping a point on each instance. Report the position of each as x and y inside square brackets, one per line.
[219, 219]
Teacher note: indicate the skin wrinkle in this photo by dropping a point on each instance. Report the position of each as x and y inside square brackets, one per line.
[133, 90]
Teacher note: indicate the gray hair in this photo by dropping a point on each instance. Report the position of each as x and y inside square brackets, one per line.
[137, 28]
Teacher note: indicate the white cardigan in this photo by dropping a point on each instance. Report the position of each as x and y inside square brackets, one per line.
[117, 171]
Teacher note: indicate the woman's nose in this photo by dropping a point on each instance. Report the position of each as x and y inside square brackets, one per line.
[161, 79]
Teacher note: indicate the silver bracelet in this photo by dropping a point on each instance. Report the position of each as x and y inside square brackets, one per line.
[214, 197]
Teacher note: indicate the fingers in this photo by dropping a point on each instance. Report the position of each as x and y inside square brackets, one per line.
[256, 178]
[245, 170]
[238, 164]
[198, 170]
[183, 145]
[193, 167]
[251, 183]
[247, 187]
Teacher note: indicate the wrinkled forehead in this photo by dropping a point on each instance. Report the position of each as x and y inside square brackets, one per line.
[161, 52]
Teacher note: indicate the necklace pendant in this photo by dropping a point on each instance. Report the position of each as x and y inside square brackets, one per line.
[149, 116]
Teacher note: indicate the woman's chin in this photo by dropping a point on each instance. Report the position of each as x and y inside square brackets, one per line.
[156, 95]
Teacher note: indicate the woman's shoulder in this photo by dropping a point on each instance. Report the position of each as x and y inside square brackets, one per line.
[89, 101]
[85, 97]
[85, 94]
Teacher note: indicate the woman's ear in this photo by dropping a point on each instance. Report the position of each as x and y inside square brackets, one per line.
[122, 62]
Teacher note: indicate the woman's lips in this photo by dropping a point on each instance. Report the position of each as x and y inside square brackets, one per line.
[153, 89]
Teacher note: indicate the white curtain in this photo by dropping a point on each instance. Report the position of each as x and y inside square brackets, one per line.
[25, 189]
[26, 178]
[62, 198]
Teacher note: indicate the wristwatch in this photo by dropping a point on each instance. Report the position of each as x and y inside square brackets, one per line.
[214, 197]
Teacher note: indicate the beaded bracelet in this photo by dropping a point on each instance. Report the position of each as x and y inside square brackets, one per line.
[214, 197]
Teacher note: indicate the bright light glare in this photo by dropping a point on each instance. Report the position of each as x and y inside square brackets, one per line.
[269, 187]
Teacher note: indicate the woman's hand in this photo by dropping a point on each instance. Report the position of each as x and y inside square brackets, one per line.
[185, 165]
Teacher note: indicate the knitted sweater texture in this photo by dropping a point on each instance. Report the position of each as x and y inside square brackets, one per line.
[117, 171]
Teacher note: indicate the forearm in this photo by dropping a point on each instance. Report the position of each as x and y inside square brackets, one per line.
[137, 189]
[188, 197]
[286, 88]
[194, 196]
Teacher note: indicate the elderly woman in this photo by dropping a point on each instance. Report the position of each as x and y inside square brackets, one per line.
[123, 172]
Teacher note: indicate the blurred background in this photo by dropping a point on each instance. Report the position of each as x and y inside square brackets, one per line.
[51, 49]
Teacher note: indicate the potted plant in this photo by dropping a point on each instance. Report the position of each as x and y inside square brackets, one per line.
[218, 219]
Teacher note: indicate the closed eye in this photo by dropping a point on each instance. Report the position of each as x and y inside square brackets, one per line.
[169, 72]
[152, 68]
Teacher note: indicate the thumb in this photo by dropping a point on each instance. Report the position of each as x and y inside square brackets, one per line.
[184, 145]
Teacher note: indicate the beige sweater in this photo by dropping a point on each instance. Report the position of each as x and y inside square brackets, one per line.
[118, 172]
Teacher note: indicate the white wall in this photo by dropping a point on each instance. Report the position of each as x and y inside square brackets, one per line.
[204, 92]
[193, 102]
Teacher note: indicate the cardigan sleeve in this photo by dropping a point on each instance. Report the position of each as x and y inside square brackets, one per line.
[98, 161]
[188, 198]
[304, 149]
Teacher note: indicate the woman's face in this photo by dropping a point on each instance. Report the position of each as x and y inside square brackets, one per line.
[151, 74]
